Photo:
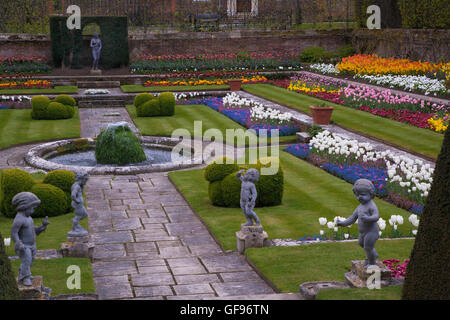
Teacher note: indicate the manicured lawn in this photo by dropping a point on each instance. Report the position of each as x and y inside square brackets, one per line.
[55, 90]
[184, 117]
[51, 239]
[419, 140]
[140, 88]
[55, 277]
[309, 193]
[17, 127]
[288, 267]
[385, 293]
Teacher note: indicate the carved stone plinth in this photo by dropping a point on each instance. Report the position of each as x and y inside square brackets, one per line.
[95, 72]
[251, 237]
[359, 275]
[77, 247]
[36, 291]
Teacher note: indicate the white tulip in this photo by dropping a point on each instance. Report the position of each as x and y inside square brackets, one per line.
[321, 232]
[322, 221]
[7, 242]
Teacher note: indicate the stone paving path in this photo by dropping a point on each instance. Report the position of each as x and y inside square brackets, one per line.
[149, 244]
[92, 120]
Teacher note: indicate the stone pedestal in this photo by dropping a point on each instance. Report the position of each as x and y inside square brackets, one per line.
[77, 247]
[251, 237]
[36, 291]
[358, 275]
[95, 72]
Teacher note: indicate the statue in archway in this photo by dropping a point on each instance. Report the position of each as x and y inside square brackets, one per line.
[96, 45]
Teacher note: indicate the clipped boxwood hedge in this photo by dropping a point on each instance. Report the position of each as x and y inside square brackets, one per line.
[42, 108]
[217, 172]
[142, 98]
[167, 102]
[64, 180]
[13, 181]
[225, 188]
[53, 200]
[57, 188]
[149, 106]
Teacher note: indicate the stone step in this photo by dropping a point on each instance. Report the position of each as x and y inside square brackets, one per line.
[102, 103]
[98, 84]
[272, 296]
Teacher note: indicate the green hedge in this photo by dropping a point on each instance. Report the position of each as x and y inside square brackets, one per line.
[225, 188]
[54, 191]
[429, 14]
[62, 107]
[53, 200]
[118, 145]
[13, 181]
[315, 55]
[8, 284]
[149, 106]
[390, 13]
[114, 36]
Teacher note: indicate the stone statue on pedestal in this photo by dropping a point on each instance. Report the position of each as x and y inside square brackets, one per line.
[249, 195]
[23, 233]
[81, 179]
[96, 45]
[367, 215]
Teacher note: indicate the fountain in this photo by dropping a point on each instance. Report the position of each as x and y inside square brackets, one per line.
[117, 150]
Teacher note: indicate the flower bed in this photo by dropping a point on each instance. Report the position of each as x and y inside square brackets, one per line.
[373, 65]
[202, 82]
[251, 114]
[382, 102]
[13, 102]
[400, 180]
[25, 84]
[216, 62]
[23, 65]
[397, 270]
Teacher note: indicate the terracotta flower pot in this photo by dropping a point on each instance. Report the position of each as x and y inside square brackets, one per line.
[235, 84]
[321, 115]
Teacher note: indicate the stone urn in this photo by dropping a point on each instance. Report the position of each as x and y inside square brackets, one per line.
[235, 84]
[321, 115]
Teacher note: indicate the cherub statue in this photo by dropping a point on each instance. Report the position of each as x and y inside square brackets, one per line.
[248, 195]
[81, 179]
[96, 45]
[367, 215]
[23, 233]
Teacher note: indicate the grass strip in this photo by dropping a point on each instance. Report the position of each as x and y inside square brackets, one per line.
[422, 141]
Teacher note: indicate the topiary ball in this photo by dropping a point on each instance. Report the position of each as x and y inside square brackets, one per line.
[142, 98]
[118, 145]
[149, 109]
[66, 100]
[57, 111]
[167, 102]
[219, 169]
[13, 181]
[39, 106]
[269, 187]
[64, 180]
[53, 200]
[231, 191]
[215, 193]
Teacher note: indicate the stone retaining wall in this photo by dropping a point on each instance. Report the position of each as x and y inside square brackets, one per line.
[190, 42]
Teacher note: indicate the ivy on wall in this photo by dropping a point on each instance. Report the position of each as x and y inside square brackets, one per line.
[413, 14]
[425, 14]
[67, 44]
